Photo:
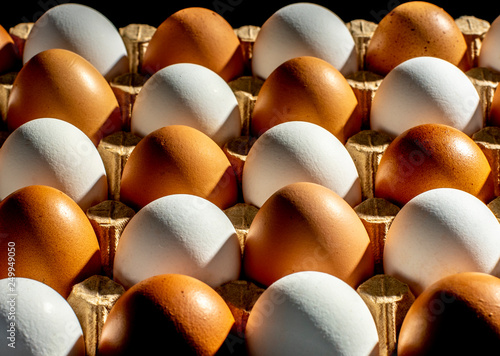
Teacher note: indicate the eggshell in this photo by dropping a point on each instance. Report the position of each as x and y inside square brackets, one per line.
[303, 29]
[83, 30]
[494, 115]
[415, 29]
[297, 151]
[310, 313]
[426, 90]
[187, 94]
[170, 311]
[61, 84]
[42, 321]
[307, 89]
[55, 242]
[8, 55]
[489, 55]
[178, 159]
[179, 233]
[457, 315]
[195, 35]
[55, 153]
[432, 156]
[305, 226]
[438, 233]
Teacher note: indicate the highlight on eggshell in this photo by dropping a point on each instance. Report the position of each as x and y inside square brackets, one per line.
[426, 90]
[438, 233]
[306, 226]
[415, 29]
[55, 153]
[37, 320]
[187, 94]
[298, 151]
[83, 30]
[53, 238]
[8, 52]
[195, 35]
[307, 89]
[182, 234]
[61, 84]
[171, 311]
[432, 156]
[310, 313]
[489, 55]
[303, 29]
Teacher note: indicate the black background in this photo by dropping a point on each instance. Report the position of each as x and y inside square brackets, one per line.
[236, 12]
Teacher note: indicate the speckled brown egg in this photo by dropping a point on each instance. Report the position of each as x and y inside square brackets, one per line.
[8, 55]
[60, 84]
[414, 29]
[432, 156]
[195, 35]
[307, 227]
[457, 315]
[307, 89]
[178, 159]
[53, 239]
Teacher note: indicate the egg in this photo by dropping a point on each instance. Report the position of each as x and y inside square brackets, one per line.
[8, 54]
[170, 311]
[60, 84]
[297, 151]
[307, 89]
[55, 153]
[187, 94]
[303, 29]
[306, 226]
[457, 315]
[83, 30]
[489, 55]
[426, 90]
[440, 232]
[36, 320]
[54, 241]
[195, 35]
[415, 29]
[432, 156]
[310, 313]
[178, 159]
[179, 233]
[494, 114]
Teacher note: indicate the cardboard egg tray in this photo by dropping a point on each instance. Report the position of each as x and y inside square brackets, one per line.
[387, 298]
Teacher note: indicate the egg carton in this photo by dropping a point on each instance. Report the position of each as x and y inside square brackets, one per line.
[387, 298]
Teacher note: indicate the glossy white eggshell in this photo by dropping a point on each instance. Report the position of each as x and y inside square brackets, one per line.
[489, 55]
[426, 90]
[310, 313]
[303, 29]
[178, 233]
[187, 94]
[55, 153]
[45, 324]
[81, 29]
[298, 151]
[441, 232]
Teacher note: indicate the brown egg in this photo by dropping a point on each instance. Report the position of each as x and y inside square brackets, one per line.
[414, 29]
[53, 239]
[432, 156]
[494, 116]
[171, 312]
[195, 35]
[8, 55]
[304, 227]
[307, 89]
[457, 315]
[60, 84]
[178, 159]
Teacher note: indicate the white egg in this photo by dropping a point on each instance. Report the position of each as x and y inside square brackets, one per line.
[441, 232]
[298, 151]
[83, 30]
[55, 153]
[426, 90]
[310, 313]
[187, 94]
[178, 233]
[489, 55]
[303, 29]
[36, 320]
